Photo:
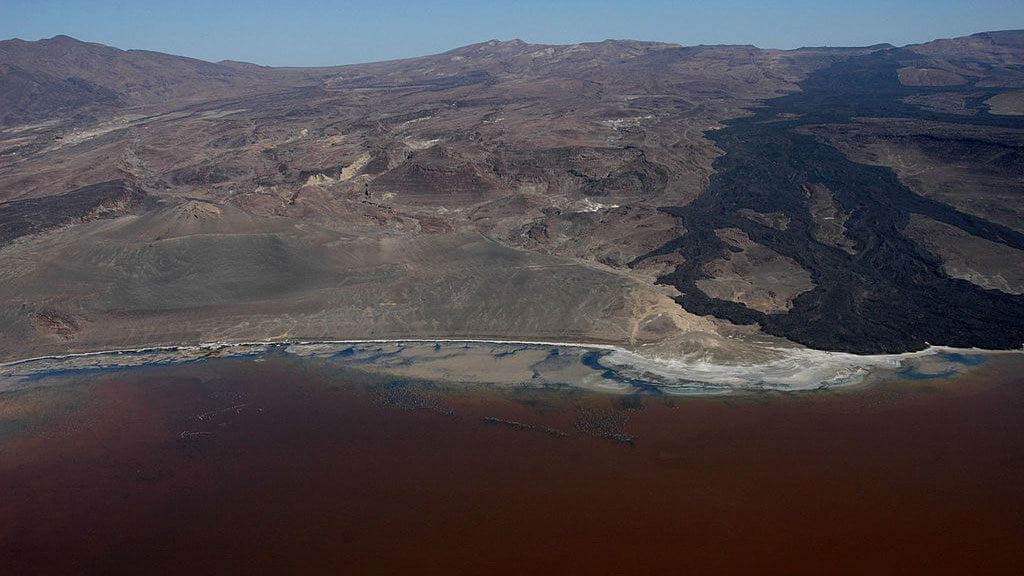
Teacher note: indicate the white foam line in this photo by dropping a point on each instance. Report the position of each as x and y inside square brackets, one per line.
[795, 368]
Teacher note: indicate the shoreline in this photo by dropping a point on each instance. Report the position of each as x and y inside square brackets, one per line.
[613, 369]
[221, 344]
[216, 345]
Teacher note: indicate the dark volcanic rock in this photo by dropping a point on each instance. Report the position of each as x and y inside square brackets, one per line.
[104, 200]
[887, 296]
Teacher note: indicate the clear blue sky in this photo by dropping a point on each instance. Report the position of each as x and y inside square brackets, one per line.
[318, 32]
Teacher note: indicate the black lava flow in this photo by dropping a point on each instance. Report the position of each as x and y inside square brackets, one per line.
[891, 295]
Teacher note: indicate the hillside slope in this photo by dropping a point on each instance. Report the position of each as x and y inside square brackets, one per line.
[800, 193]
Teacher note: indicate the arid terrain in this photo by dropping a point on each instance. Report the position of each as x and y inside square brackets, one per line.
[648, 195]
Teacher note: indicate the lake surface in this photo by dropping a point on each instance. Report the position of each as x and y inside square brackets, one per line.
[278, 463]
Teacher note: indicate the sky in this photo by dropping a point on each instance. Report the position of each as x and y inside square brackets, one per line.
[319, 32]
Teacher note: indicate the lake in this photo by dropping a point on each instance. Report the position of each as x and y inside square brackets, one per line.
[281, 463]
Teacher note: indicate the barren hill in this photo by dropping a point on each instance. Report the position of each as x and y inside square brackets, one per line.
[611, 191]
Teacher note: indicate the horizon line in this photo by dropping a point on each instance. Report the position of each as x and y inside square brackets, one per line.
[511, 40]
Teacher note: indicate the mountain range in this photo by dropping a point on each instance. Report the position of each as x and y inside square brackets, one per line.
[712, 200]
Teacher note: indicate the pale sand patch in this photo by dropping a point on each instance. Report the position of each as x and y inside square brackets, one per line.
[755, 275]
[929, 77]
[352, 169]
[983, 262]
[1008, 104]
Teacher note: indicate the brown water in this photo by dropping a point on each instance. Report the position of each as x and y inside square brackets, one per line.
[290, 466]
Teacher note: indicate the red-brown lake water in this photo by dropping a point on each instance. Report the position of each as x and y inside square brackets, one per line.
[293, 466]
